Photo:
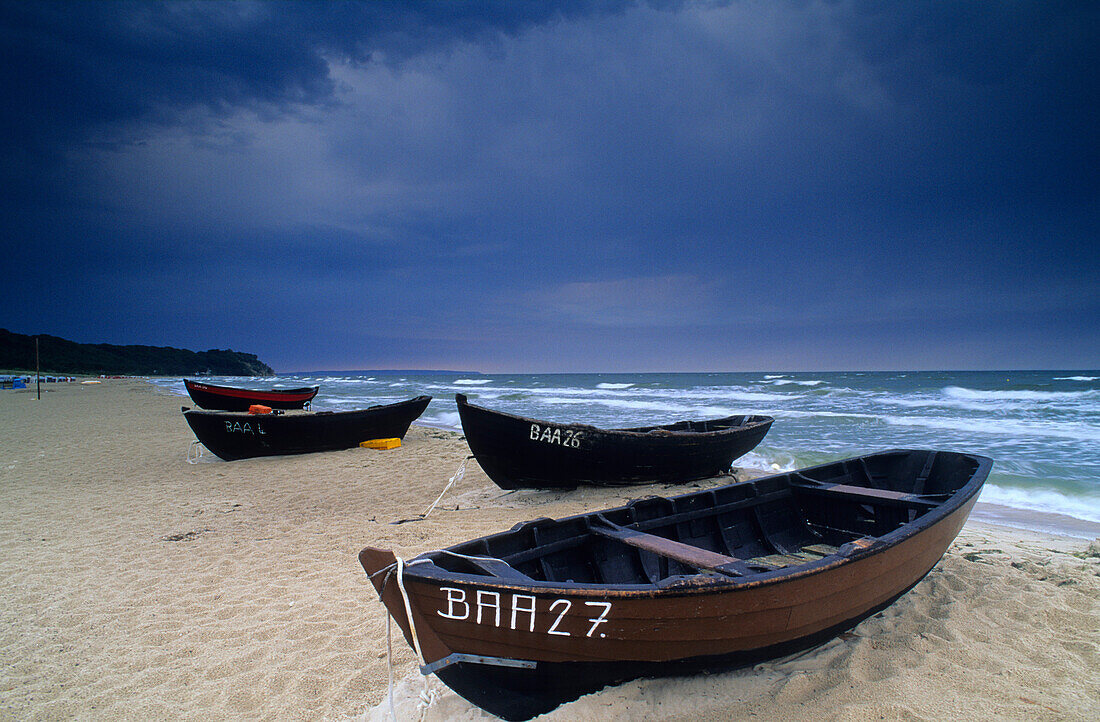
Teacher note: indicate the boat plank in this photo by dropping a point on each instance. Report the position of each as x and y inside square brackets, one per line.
[822, 550]
[778, 561]
[671, 549]
[862, 493]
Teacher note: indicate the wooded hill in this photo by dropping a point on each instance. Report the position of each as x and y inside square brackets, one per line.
[58, 355]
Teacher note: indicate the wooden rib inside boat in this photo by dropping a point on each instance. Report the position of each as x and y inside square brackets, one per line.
[521, 621]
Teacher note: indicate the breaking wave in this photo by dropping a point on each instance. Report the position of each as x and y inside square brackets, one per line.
[1076, 431]
[959, 392]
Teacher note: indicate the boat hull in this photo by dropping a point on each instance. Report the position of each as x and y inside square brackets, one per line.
[520, 694]
[517, 452]
[229, 398]
[233, 436]
[574, 638]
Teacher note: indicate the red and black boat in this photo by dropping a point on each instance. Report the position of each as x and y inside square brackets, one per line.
[234, 435]
[517, 452]
[522, 621]
[231, 398]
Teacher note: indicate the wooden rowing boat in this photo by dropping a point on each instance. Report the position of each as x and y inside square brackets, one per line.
[516, 452]
[231, 398]
[233, 435]
[521, 621]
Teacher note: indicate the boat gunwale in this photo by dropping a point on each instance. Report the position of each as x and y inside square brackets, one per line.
[704, 583]
[217, 388]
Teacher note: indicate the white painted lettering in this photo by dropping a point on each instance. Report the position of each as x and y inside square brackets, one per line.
[554, 627]
[455, 596]
[491, 609]
[236, 427]
[516, 609]
[555, 435]
[494, 605]
[600, 619]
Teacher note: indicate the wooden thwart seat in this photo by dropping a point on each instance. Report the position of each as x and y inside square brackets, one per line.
[684, 553]
[868, 495]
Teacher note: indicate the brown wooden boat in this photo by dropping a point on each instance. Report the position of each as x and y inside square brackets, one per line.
[521, 621]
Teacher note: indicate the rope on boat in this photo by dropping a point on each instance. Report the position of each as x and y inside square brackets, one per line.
[191, 448]
[466, 556]
[427, 696]
[408, 610]
[389, 664]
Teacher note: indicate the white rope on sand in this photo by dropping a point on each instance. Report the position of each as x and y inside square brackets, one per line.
[453, 480]
[389, 663]
[197, 455]
[450, 482]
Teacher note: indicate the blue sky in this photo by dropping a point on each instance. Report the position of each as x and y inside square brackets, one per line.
[571, 186]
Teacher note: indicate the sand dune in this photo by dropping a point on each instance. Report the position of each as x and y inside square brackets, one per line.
[138, 586]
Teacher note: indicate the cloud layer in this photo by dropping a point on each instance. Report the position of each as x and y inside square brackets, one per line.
[686, 185]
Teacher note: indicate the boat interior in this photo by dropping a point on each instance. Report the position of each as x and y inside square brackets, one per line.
[737, 530]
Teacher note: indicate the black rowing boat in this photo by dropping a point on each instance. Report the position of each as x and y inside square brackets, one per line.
[516, 452]
[233, 435]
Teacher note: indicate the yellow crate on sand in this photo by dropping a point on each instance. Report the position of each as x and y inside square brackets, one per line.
[380, 443]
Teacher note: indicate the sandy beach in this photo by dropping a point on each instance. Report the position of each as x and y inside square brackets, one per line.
[138, 586]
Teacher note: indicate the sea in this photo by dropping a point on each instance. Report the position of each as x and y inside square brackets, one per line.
[1042, 428]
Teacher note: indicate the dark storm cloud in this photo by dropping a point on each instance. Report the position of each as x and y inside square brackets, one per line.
[620, 176]
[74, 67]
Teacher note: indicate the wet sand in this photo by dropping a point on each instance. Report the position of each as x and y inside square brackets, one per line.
[136, 585]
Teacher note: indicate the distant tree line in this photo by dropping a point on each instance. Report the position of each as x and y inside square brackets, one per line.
[59, 355]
